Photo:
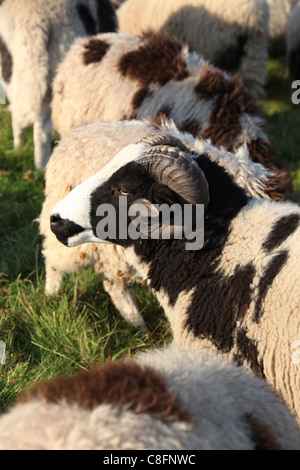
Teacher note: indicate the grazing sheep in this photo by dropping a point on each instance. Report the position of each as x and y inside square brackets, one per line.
[293, 43]
[231, 35]
[240, 293]
[121, 76]
[169, 399]
[280, 11]
[77, 157]
[34, 37]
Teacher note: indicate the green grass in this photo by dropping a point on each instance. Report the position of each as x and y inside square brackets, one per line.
[46, 337]
[283, 120]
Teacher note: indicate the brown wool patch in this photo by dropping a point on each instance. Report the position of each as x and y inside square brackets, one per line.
[279, 185]
[94, 51]
[6, 62]
[262, 434]
[157, 61]
[230, 101]
[121, 384]
[160, 119]
[140, 96]
[162, 116]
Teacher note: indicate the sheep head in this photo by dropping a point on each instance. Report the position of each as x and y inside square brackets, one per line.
[158, 170]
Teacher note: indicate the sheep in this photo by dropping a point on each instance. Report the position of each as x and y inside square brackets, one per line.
[164, 399]
[34, 37]
[235, 290]
[280, 11]
[293, 43]
[120, 76]
[231, 35]
[79, 155]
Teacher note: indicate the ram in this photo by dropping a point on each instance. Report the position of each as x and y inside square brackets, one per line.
[168, 399]
[231, 35]
[34, 37]
[120, 76]
[293, 43]
[78, 156]
[236, 291]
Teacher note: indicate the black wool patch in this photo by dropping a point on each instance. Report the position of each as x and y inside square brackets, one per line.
[247, 351]
[87, 20]
[272, 270]
[107, 17]
[6, 61]
[281, 230]
[229, 59]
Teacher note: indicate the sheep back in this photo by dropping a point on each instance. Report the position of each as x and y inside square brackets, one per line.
[148, 73]
[165, 399]
[231, 35]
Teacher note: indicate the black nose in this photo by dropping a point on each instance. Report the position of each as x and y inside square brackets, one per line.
[64, 228]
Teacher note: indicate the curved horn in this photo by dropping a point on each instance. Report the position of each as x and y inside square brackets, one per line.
[164, 139]
[168, 162]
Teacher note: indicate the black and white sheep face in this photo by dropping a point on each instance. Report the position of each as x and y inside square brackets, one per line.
[72, 220]
[123, 202]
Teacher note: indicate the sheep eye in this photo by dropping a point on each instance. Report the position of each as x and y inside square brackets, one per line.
[124, 193]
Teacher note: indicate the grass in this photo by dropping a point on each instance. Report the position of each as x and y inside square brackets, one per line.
[46, 337]
[283, 120]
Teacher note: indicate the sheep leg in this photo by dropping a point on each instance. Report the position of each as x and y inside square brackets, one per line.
[42, 138]
[53, 280]
[123, 298]
[17, 133]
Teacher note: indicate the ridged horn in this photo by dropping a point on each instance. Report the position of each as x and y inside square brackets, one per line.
[164, 139]
[168, 161]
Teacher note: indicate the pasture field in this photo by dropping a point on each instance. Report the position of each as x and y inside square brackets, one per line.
[45, 336]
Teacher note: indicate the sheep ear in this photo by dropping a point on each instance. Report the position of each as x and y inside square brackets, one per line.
[144, 208]
[148, 224]
[142, 213]
[151, 209]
